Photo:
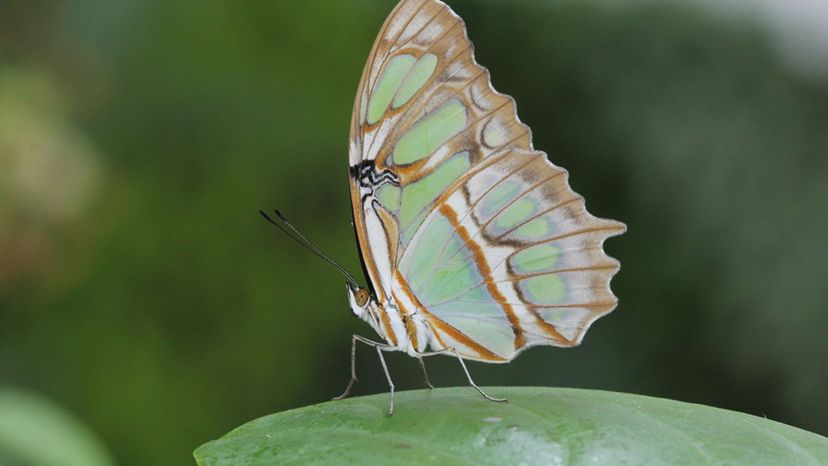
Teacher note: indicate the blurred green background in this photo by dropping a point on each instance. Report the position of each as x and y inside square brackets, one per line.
[141, 291]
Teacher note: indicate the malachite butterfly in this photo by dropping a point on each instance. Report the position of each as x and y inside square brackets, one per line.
[473, 243]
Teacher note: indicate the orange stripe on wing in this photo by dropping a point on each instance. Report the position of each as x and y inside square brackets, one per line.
[484, 353]
[486, 272]
[460, 337]
[411, 332]
[550, 329]
[410, 327]
[386, 324]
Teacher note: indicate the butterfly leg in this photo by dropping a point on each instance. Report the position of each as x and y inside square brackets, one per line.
[425, 374]
[380, 349]
[471, 382]
[354, 340]
[468, 376]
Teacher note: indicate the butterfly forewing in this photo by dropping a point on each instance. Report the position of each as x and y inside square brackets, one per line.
[459, 219]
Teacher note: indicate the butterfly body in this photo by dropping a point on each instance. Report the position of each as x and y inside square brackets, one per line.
[403, 332]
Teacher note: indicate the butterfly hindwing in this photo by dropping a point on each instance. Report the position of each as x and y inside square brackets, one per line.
[511, 258]
[456, 214]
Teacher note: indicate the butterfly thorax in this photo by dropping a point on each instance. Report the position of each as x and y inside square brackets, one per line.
[407, 333]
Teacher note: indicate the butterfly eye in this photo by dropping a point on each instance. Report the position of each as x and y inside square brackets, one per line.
[362, 297]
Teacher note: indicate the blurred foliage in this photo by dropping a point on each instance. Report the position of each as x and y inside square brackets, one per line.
[139, 287]
[36, 432]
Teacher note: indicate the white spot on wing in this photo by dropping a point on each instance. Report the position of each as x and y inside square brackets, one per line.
[494, 133]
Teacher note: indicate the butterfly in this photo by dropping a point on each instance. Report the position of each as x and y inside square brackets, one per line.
[473, 243]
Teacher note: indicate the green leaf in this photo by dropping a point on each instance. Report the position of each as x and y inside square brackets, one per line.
[548, 426]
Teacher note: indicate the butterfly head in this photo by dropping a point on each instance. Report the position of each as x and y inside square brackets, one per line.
[360, 299]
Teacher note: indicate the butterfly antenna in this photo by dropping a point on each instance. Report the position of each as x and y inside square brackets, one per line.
[294, 234]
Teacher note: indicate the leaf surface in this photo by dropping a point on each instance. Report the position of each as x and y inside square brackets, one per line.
[550, 426]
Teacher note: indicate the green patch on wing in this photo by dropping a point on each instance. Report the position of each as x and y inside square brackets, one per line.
[535, 259]
[389, 82]
[389, 196]
[418, 196]
[421, 257]
[535, 229]
[498, 197]
[517, 213]
[544, 289]
[434, 130]
[448, 281]
[416, 79]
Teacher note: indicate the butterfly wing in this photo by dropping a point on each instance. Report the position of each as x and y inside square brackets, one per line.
[458, 218]
[421, 64]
